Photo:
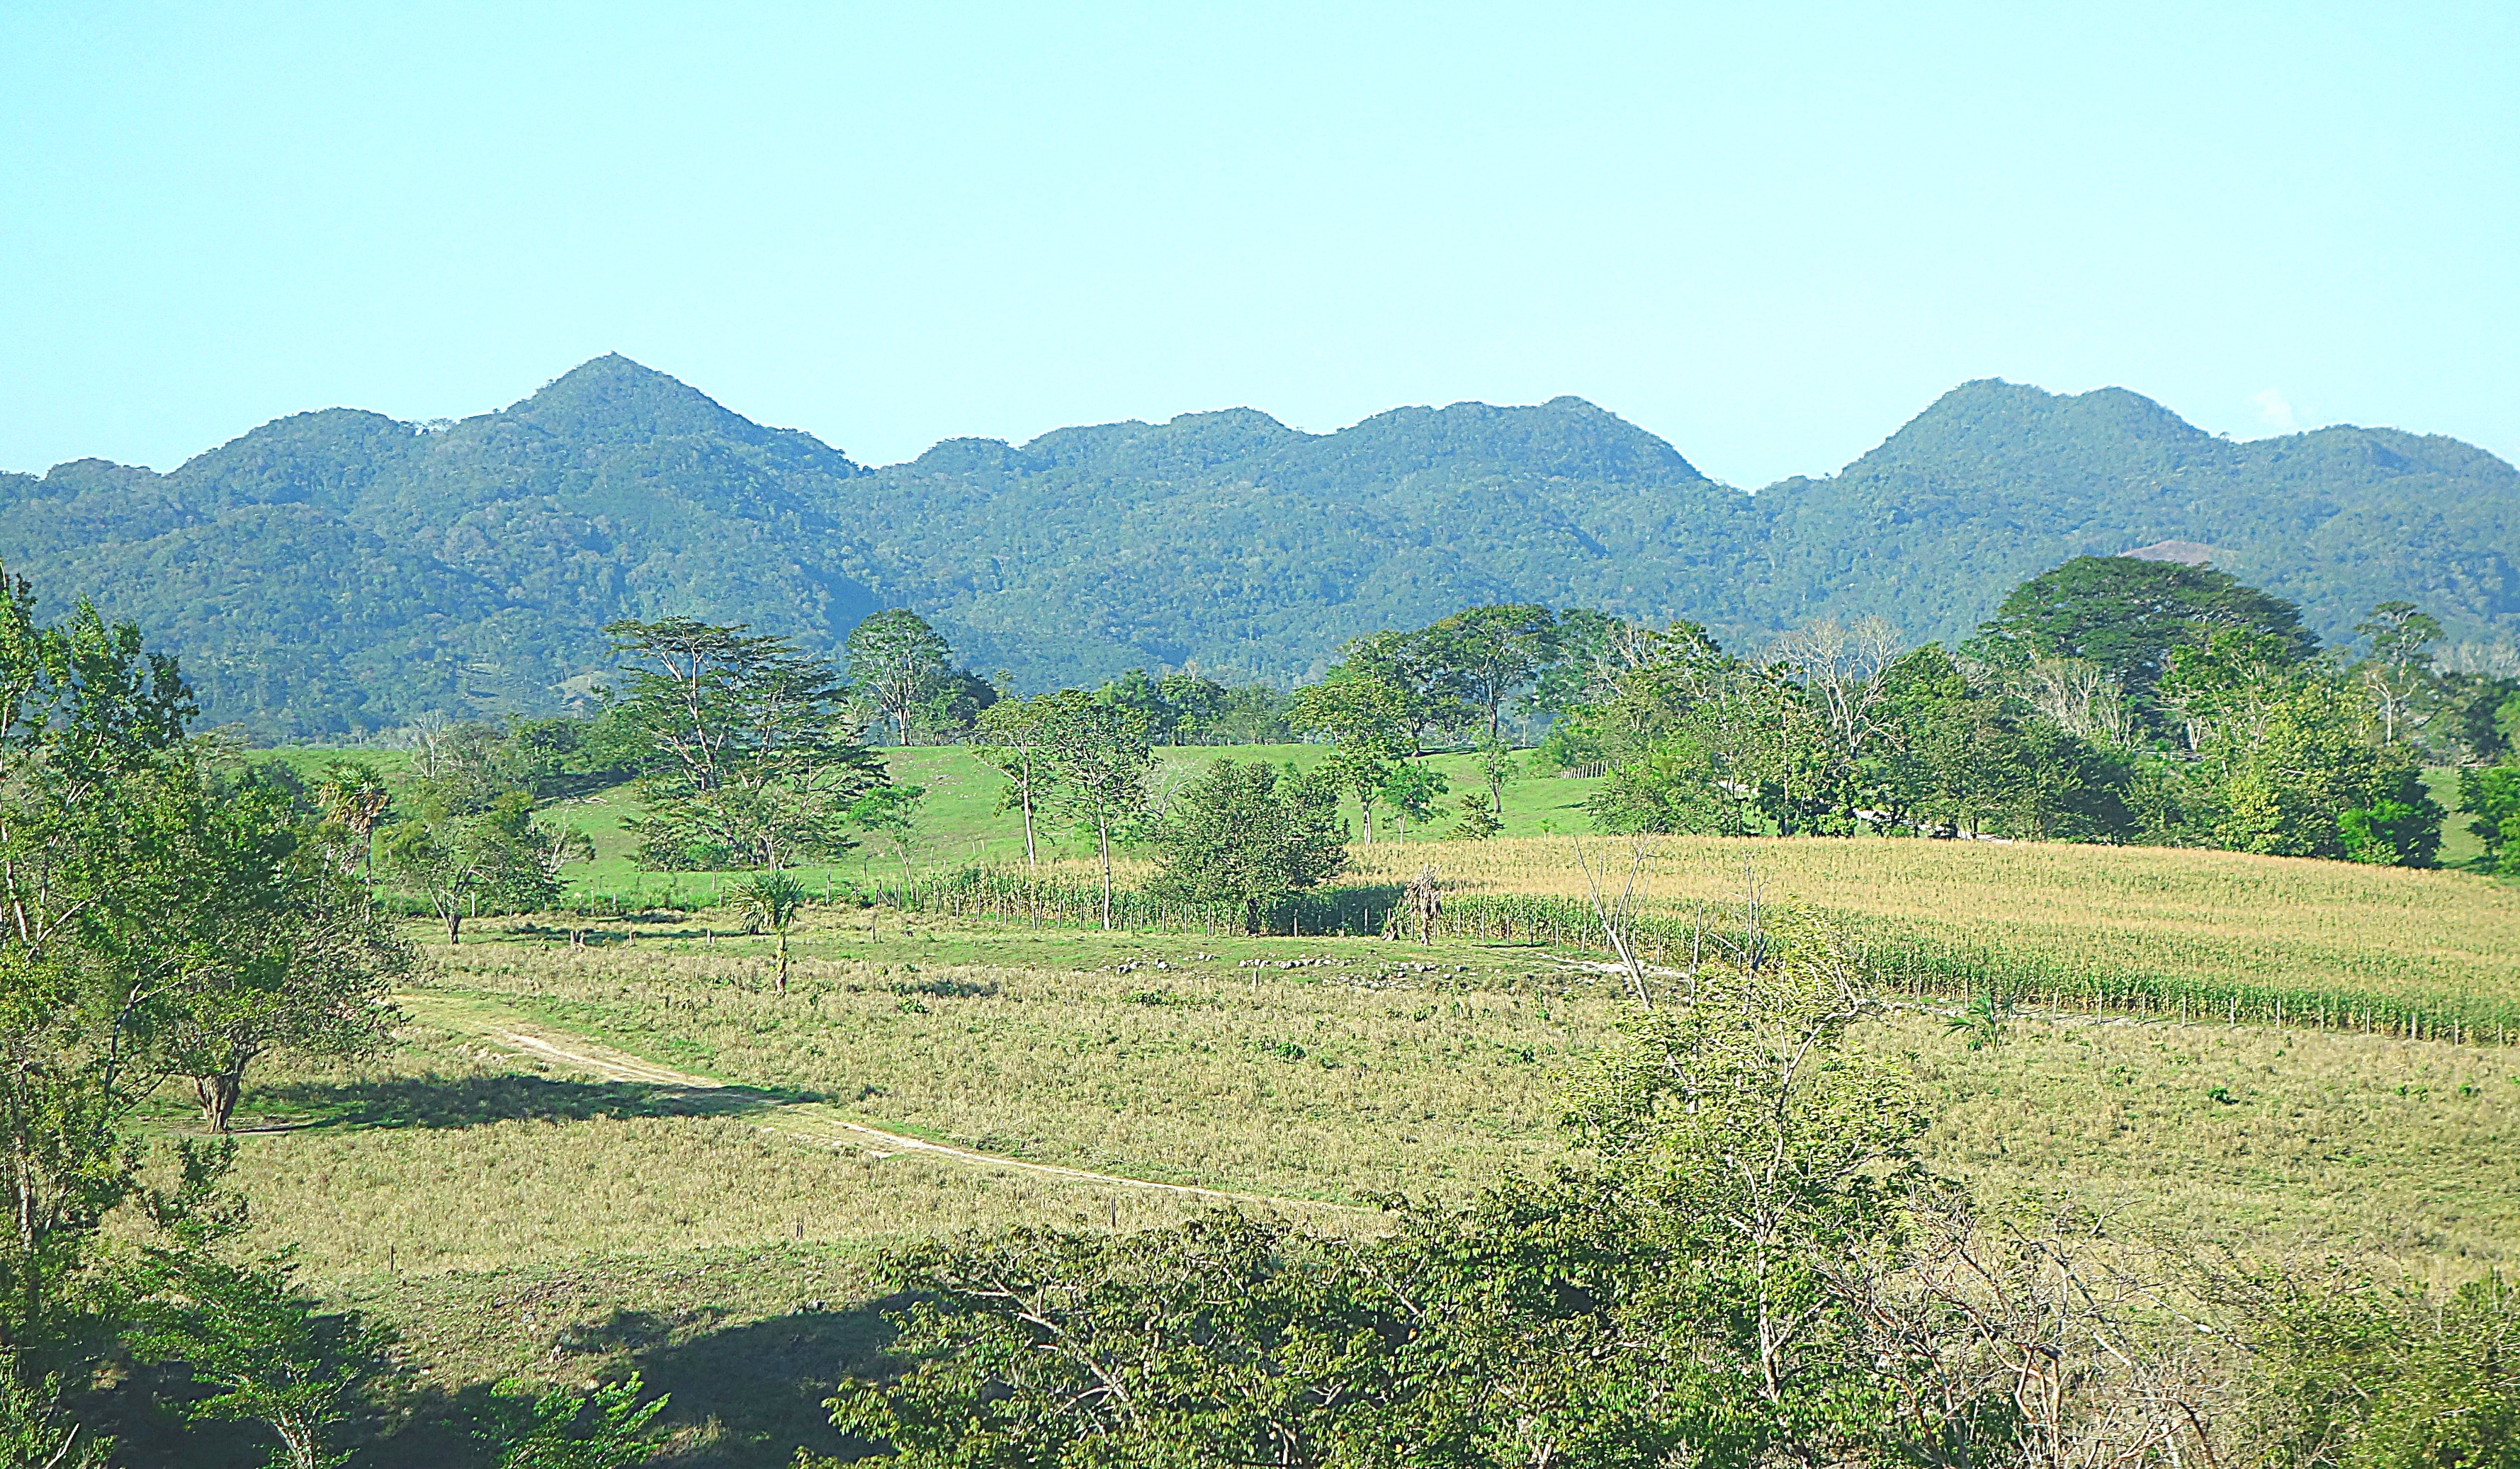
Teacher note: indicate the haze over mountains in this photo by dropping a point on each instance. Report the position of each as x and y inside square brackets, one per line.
[340, 572]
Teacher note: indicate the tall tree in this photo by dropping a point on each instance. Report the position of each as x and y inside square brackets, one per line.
[289, 953]
[752, 761]
[96, 840]
[897, 658]
[1365, 720]
[1102, 757]
[353, 796]
[1245, 833]
[2127, 615]
[1020, 742]
[2399, 668]
[1486, 655]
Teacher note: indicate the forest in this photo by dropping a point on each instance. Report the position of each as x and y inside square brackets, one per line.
[465, 569]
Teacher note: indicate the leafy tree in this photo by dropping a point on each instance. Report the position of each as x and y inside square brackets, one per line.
[890, 811]
[1408, 663]
[265, 1347]
[1477, 821]
[898, 659]
[504, 856]
[352, 794]
[1486, 655]
[605, 1428]
[2492, 796]
[752, 759]
[99, 801]
[772, 902]
[285, 953]
[1364, 720]
[1102, 760]
[2304, 782]
[1020, 742]
[2127, 615]
[1410, 789]
[1246, 833]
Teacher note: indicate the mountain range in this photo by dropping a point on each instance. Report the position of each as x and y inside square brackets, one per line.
[340, 572]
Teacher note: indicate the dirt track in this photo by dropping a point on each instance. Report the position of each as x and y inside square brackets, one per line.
[807, 1121]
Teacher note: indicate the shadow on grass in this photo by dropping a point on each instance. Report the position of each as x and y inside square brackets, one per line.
[741, 1397]
[470, 1101]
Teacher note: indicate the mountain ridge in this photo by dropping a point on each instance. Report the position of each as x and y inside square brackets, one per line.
[339, 571]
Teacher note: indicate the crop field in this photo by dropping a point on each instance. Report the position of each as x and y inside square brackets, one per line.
[547, 1177]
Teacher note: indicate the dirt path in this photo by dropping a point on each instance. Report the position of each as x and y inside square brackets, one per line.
[808, 1121]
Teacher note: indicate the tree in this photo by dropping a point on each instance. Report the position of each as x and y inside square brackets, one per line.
[890, 811]
[271, 1356]
[606, 1427]
[100, 799]
[897, 658]
[770, 901]
[1839, 668]
[1100, 754]
[2492, 798]
[1485, 655]
[752, 759]
[505, 855]
[2125, 616]
[2399, 670]
[1245, 833]
[1020, 744]
[1410, 789]
[1364, 719]
[1407, 662]
[353, 796]
[287, 954]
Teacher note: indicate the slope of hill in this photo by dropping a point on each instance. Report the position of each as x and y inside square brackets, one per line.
[1996, 481]
[339, 571]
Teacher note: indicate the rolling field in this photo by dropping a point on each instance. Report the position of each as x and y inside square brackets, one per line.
[639, 1154]
[508, 1192]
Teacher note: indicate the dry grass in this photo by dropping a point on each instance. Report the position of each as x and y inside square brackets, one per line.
[512, 1217]
[2208, 918]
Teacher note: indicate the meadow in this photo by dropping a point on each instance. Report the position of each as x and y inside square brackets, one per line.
[515, 1213]
[631, 1151]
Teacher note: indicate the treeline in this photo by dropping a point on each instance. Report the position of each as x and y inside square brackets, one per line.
[2110, 700]
[176, 916]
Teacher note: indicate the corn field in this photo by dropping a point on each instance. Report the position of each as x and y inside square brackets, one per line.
[1910, 956]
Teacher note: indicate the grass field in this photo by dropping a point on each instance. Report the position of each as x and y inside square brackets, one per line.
[537, 1181]
[520, 1215]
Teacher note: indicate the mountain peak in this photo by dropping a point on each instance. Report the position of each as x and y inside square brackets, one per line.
[613, 397]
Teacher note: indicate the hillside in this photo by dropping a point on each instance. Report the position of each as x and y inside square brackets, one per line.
[340, 572]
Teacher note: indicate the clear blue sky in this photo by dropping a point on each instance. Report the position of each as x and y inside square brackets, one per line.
[1770, 240]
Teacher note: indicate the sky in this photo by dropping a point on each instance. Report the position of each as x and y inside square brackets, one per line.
[1770, 233]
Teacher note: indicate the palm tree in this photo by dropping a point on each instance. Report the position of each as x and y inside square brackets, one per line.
[353, 794]
[770, 901]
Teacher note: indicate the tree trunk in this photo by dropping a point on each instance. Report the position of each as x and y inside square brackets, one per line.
[1250, 916]
[1367, 803]
[218, 1096]
[454, 924]
[1029, 859]
[783, 962]
[1102, 830]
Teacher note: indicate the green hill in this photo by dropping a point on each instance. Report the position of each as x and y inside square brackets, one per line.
[340, 572]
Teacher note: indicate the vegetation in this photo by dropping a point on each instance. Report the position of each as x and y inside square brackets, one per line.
[466, 570]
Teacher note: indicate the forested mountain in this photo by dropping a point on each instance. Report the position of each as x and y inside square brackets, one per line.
[339, 572]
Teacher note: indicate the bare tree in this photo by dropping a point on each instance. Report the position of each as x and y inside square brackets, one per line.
[1840, 665]
[2082, 698]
